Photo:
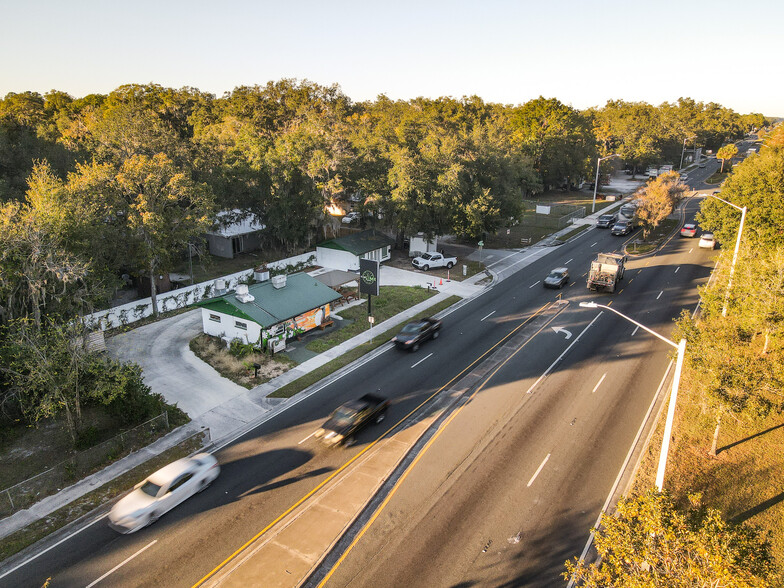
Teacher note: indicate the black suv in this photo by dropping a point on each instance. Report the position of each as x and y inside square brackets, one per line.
[606, 221]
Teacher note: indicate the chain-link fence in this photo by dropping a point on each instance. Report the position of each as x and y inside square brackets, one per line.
[81, 464]
[549, 215]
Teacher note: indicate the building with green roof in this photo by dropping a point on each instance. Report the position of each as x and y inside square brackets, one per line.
[273, 310]
[344, 253]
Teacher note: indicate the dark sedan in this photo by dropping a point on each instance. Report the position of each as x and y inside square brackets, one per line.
[621, 228]
[414, 334]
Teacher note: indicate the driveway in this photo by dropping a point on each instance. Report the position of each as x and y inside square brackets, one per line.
[170, 367]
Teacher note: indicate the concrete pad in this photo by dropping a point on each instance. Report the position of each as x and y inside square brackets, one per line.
[311, 536]
[352, 493]
[273, 567]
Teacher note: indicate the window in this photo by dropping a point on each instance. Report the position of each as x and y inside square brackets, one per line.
[241, 325]
[180, 481]
[215, 317]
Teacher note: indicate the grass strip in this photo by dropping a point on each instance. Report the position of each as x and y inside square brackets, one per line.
[392, 301]
[36, 531]
[319, 373]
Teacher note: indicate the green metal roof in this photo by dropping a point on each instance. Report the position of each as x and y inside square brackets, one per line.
[275, 305]
[359, 243]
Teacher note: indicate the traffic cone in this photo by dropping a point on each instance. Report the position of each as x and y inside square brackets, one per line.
[441, 283]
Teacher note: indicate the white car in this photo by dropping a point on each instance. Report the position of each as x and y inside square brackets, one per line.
[707, 241]
[350, 218]
[162, 491]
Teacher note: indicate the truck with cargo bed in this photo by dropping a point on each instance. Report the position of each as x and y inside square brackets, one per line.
[606, 271]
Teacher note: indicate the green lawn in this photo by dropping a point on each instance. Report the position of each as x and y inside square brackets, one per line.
[392, 300]
[314, 376]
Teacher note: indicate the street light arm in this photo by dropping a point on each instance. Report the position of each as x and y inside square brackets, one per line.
[631, 320]
[596, 180]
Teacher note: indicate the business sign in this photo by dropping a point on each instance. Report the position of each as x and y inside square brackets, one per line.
[368, 276]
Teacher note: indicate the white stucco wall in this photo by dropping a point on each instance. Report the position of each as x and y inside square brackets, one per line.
[227, 329]
[336, 259]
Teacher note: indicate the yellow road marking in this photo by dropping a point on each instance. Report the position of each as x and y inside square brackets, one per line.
[358, 455]
[421, 453]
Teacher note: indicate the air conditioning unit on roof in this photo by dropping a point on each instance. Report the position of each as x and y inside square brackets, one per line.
[279, 281]
[242, 294]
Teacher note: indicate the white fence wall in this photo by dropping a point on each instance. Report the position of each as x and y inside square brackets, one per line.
[179, 298]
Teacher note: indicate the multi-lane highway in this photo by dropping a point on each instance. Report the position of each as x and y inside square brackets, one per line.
[508, 491]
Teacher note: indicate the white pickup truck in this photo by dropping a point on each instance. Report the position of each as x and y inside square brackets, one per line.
[433, 259]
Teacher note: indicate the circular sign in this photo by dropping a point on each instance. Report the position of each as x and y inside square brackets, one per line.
[368, 277]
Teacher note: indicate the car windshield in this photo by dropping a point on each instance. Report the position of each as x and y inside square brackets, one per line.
[688, 227]
[344, 415]
[555, 275]
[606, 217]
[427, 256]
[150, 489]
[411, 328]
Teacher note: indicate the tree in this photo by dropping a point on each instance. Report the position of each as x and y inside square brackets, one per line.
[166, 210]
[556, 137]
[43, 369]
[658, 200]
[758, 184]
[650, 543]
[726, 152]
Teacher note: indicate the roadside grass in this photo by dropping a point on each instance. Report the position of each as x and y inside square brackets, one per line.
[392, 300]
[576, 231]
[656, 237]
[717, 178]
[314, 376]
[36, 531]
[240, 370]
[742, 481]
[29, 451]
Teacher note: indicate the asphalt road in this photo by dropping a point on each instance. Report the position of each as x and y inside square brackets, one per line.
[513, 485]
[268, 470]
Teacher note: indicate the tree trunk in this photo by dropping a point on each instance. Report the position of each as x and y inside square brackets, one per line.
[153, 290]
[715, 436]
[722, 167]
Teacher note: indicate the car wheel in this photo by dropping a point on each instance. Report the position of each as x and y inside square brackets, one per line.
[425, 267]
[449, 265]
[349, 442]
[152, 518]
[435, 335]
[415, 347]
[203, 485]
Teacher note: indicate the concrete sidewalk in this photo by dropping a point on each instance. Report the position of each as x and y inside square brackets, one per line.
[236, 410]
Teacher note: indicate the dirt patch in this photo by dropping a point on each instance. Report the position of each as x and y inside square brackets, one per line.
[401, 260]
[240, 370]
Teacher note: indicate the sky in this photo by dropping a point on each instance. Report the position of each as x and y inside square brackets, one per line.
[582, 52]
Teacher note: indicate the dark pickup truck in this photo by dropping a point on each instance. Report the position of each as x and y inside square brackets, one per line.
[414, 334]
[349, 418]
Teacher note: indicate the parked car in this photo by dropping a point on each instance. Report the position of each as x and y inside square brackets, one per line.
[350, 218]
[162, 491]
[684, 177]
[606, 221]
[558, 278]
[707, 241]
[433, 259]
[621, 228]
[689, 230]
[414, 334]
[349, 418]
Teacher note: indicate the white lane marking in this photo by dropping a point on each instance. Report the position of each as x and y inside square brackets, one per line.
[594, 245]
[635, 331]
[660, 293]
[570, 261]
[531, 481]
[421, 360]
[565, 351]
[534, 284]
[676, 269]
[118, 566]
[488, 316]
[306, 438]
[63, 540]
[623, 467]
[599, 383]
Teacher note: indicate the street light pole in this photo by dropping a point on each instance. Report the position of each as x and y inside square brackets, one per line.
[596, 180]
[680, 167]
[735, 253]
[681, 347]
